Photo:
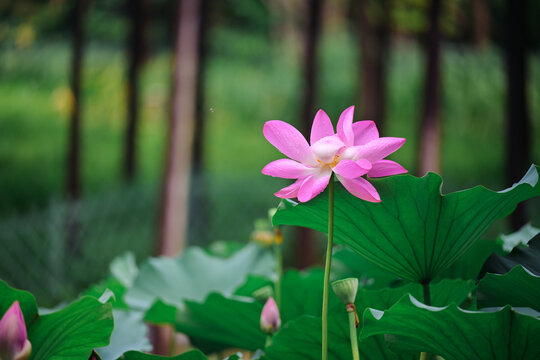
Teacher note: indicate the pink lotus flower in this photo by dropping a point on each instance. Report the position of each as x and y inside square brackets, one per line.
[270, 320]
[354, 151]
[14, 344]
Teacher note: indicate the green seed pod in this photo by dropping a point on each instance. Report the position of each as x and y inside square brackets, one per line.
[346, 289]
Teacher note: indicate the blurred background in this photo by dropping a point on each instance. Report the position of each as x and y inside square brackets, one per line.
[137, 124]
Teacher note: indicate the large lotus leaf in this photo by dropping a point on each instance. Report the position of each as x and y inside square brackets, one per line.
[445, 292]
[190, 355]
[194, 274]
[110, 284]
[27, 302]
[301, 340]
[124, 268]
[135, 355]
[207, 323]
[469, 265]
[347, 263]
[71, 333]
[519, 238]
[130, 333]
[454, 333]
[122, 273]
[415, 232]
[252, 284]
[302, 294]
[528, 256]
[223, 248]
[518, 287]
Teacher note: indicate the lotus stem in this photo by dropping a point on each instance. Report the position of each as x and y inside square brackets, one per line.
[327, 266]
[279, 265]
[353, 324]
[267, 343]
[427, 301]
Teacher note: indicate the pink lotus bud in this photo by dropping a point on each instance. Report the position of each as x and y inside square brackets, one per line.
[270, 320]
[14, 344]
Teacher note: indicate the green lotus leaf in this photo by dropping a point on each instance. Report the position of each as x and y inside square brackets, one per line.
[348, 263]
[519, 287]
[194, 274]
[528, 256]
[301, 340]
[207, 323]
[453, 333]
[469, 266]
[190, 355]
[519, 238]
[415, 232]
[71, 333]
[27, 302]
[130, 333]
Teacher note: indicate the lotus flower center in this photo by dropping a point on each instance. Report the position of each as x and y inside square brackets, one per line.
[330, 164]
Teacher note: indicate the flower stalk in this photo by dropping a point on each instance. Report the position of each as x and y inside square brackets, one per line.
[353, 324]
[427, 300]
[279, 264]
[328, 264]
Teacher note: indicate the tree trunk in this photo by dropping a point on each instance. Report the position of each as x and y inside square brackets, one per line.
[136, 50]
[429, 157]
[181, 128]
[517, 121]
[305, 250]
[73, 181]
[312, 34]
[481, 22]
[198, 199]
[175, 200]
[374, 44]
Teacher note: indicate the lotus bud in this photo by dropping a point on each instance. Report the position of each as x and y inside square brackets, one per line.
[14, 344]
[346, 289]
[270, 320]
[263, 294]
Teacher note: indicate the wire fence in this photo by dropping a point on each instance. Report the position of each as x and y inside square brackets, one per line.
[58, 251]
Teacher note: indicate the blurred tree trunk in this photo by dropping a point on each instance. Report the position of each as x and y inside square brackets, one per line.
[482, 22]
[73, 180]
[311, 41]
[374, 37]
[517, 121]
[198, 202]
[175, 200]
[429, 153]
[181, 130]
[304, 253]
[136, 51]
[285, 31]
